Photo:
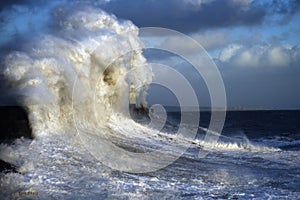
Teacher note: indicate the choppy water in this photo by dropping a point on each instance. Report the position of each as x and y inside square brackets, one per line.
[57, 167]
[73, 78]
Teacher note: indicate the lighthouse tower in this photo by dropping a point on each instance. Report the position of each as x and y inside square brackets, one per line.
[132, 95]
[132, 98]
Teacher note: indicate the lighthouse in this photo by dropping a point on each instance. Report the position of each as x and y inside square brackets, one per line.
[132, 95]
[137, 112]
[132, 98]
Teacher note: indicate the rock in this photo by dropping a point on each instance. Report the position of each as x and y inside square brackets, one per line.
[7, 167]
[14, 124]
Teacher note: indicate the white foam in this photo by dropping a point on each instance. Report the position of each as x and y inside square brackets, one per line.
[87, 42]
[81, 74]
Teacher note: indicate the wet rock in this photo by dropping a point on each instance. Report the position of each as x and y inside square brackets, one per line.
[14, 124]
[7, 167]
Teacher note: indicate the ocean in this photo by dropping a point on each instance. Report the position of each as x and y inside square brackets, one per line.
[73, 81]
[257, 157]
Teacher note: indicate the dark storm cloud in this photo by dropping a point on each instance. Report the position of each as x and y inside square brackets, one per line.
[190, 16]
[9, 3]
[286, 9]
[186, 16]
[16, 27]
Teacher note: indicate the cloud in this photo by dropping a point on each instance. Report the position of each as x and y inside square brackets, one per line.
[181, 45]
[20, 20]
[187, 16]
[211, 40]
[285, 9]
[196, 44]
[190, 16]
[8, 4]
[228, 52]
[261, 75]
[254, 72]
[260, 55]
[257, 76]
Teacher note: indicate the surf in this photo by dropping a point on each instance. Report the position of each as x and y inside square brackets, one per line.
[85, 67]
[77, 80]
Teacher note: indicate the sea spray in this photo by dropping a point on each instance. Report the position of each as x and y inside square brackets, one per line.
[89, 58]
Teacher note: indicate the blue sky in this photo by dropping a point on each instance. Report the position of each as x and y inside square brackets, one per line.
[255, 44]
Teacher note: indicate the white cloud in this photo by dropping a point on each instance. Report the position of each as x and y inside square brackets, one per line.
[228, 52]
[279, 56]
[197, 2]
[260, 55]
[181, 45]
[199, 41]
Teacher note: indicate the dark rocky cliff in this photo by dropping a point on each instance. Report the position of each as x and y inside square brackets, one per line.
[14, 124]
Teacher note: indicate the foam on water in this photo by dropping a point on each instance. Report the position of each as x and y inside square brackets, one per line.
[85, 67]
[78, 76]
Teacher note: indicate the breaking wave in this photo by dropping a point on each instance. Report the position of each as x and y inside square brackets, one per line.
[78, 77]
[86, 67]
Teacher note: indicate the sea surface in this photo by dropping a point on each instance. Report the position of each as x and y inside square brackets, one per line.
[256, 157]
[73, 77]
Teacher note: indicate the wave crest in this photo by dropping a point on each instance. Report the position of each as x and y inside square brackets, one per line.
[90, 48]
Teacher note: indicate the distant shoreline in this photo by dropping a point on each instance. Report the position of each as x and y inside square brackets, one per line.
[230, 109]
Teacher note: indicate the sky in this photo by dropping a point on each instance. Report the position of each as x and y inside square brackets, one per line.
[254, 44]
